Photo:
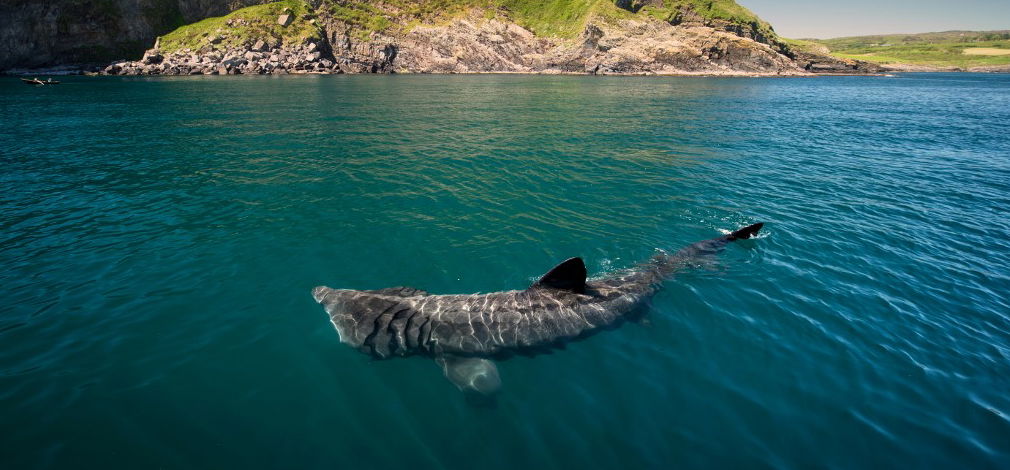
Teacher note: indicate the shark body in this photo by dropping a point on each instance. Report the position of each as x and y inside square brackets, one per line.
[463, 333]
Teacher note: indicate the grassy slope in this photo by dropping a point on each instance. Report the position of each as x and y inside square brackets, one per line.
[260, 22]
[709, 9]
[944, 49]
[560, 18]
[806, 45]
[556, 18]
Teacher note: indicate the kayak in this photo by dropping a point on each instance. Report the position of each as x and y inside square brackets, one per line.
[35, 81]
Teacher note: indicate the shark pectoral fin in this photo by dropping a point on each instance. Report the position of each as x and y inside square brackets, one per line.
[470, 374]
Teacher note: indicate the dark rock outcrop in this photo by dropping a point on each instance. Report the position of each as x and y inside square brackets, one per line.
[301, 58]
[45, 33]
[823, 63]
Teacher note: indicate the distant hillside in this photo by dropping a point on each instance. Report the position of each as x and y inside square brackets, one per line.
[965, 50]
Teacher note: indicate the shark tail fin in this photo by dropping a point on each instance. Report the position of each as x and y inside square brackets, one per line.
[746, 232]
[710, 247]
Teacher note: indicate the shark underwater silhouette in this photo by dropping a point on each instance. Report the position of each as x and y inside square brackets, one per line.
[465, 333]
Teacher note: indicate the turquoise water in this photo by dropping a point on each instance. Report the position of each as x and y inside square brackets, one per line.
[159, 239]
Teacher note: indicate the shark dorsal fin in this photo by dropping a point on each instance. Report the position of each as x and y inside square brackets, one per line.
[569, 275]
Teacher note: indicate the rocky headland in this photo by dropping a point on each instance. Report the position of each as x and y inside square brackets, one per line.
[664, 37]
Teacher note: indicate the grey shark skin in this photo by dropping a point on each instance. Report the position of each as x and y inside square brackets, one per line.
[464, 332]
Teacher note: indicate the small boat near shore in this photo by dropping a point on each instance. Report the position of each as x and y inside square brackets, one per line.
[36, 81]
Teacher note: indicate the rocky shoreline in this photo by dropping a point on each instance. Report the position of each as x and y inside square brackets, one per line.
[193, 64]
[258, 59]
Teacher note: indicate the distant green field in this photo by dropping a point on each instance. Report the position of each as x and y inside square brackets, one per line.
[963, 49]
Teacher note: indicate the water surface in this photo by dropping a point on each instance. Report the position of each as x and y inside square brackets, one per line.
[159, 239]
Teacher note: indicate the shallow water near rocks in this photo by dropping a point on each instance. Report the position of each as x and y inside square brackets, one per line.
[159, 239]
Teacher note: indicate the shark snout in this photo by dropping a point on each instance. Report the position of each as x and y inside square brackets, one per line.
[319, 293]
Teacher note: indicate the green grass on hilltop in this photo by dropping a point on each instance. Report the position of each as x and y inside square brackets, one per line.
[674, 10]
[248, 25]
[365, 17]
[378, 16]
[550, 18]
[945, 49]
[559, 18]
[556, 18]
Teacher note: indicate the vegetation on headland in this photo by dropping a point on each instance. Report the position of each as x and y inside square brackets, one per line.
[552, 18]
[961, 49]
[555, 18]
[558, 18]
[246, 25]
[679, 11]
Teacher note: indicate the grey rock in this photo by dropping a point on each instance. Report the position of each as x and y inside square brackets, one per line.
[285, 19]
[152, 57]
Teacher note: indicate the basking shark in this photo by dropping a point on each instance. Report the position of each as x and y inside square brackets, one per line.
[464, 333]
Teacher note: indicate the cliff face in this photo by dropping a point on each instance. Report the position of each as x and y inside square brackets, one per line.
[474, 44]
[725, 16]
[40, 33]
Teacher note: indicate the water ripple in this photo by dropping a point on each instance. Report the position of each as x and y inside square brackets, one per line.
[157, 264]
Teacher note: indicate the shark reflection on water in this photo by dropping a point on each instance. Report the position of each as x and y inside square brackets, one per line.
[465, 333]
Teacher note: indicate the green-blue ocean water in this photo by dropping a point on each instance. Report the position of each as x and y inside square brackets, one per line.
[159, 239]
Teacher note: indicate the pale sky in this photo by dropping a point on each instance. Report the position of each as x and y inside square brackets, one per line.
[820, 19]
